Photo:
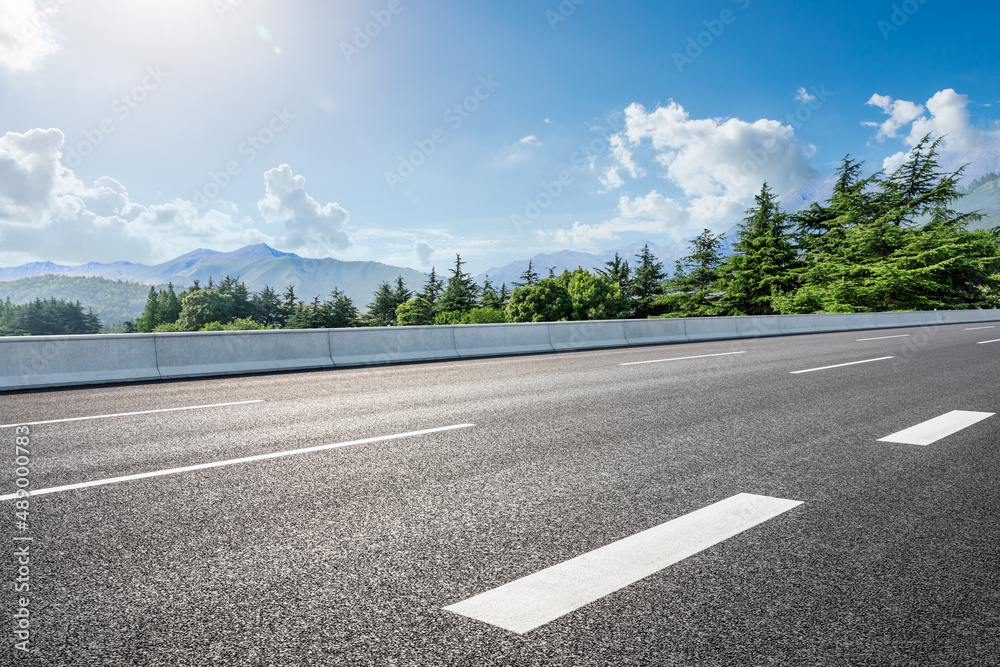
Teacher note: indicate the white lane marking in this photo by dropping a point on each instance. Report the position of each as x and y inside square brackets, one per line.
[849, 363]
[858, 340]
[129, 414]
[699, 356]
[534, 600]
[983, 342]
[229, 462]
[932, 430]
[992, 326]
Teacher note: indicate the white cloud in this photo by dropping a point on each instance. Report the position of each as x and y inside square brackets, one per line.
[47, 213]
[309, 225]
[530, 140]
[946, 116]
[717, 164]
[26, 37]
[650, 214]
[900, 113]
[802, 96]
[422, 251]
[623, 160]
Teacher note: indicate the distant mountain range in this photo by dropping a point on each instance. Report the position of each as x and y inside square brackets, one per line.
[257, 266]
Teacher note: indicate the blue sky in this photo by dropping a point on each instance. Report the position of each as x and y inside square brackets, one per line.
[405, 131]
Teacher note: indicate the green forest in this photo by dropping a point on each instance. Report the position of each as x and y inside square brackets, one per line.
[882, 242]
[49, 317]
[113, 301]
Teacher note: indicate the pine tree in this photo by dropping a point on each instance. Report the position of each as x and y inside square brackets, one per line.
[432, 288]
[461, 292]
[693, 288]
[150, 316]
[340, 311]
[490, 298]
[289, 303]
[896, 244]
[646, 285]
[529, 277]
[763, 259]
[382, 309]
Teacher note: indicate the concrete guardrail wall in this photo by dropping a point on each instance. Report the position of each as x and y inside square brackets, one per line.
[52, 361]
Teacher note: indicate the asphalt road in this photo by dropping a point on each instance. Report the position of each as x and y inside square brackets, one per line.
[348, 555]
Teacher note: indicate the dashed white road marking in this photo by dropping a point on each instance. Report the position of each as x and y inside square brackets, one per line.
[858, 340]
[229, 462]
[544, 596]
[983, 342]
[849, 363]
[992, 326]
[129, 414]
[698, 356]
[932, 430]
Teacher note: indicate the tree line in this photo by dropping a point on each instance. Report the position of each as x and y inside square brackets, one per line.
[46, 318]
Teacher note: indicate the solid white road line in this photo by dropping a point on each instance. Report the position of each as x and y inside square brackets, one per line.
[849, 363]
[229, 462]
[992, 326]
[699, 356]
[129, 414]
[933, 430]
[539, 598]
[983, 342]
[858, 340]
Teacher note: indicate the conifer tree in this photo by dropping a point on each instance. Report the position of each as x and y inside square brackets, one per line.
[461, 292]
[646, 284]
[432, 288]
[693, 288]
[763, 259]
[529, 277]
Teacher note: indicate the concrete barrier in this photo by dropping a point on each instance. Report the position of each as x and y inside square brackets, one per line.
[660, 331]
[54, 361]
[710, 328]
[859, 321]
[230, 352]
[386, 345]
[484, 340]
[755, 326]
[587, 335]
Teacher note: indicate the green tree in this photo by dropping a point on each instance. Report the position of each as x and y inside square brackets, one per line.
[763, 259]
[646, 285]
[460, 292]
[289, 304]
[894, 244]
[242, 304]
[544, 301]
[594, 297]
[168, 306]
[203, 306]
[617, 270]
[382, 309]
[432, 288]
[528, 278]
[693, 288]
[150, 316]
[490, 297]
[339, 311]
[416, 311]
[266, 307]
